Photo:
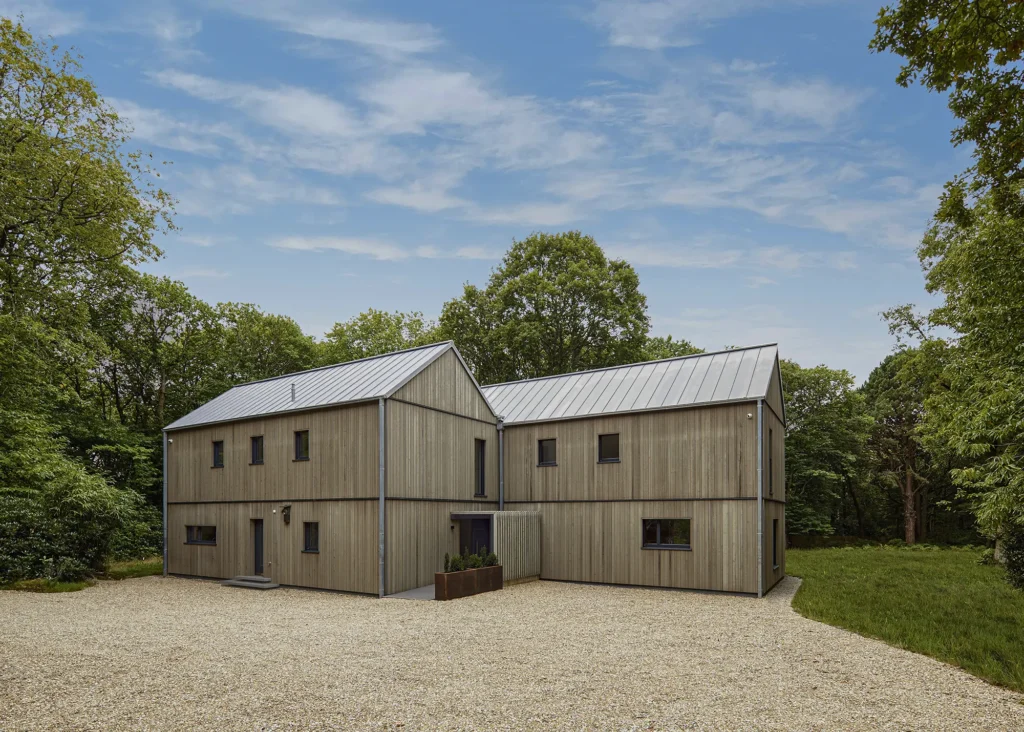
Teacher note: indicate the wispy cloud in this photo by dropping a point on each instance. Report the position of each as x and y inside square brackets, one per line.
[41, 17]
[234, 189]
[215, 274]
[380, 250]
[327, 21]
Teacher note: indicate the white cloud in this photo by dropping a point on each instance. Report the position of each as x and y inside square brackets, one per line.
[680, 255]
[206, 273]
[526, 214]
[815, 101]
[42, 18]
[760, 281]
[326, 21]
[379, 249]
[292, 109]
[234, 189]
[203, 240]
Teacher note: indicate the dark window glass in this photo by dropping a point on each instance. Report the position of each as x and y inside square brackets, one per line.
[775, 542]
[481, 468]
[257, 450]
[666, 533]
[771, 463]
[608, 448]
[218, 454]
[302, 445]
[546, 452]
[311, 536]
[200, 534]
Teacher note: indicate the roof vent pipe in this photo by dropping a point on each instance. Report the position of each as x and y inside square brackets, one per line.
[293, 392]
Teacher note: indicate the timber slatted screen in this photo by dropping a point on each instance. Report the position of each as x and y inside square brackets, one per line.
[517, 543]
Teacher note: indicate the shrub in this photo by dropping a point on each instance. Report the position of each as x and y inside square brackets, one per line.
[1013, 556]
[464, 561]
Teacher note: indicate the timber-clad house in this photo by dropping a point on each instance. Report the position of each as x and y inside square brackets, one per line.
[360, 477]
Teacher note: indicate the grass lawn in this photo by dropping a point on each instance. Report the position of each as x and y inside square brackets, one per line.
[939, 602]
[116, 571]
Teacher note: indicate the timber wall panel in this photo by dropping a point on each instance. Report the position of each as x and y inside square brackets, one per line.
[419, 533]
[777, 485]
[708, 452]
[517, 543]
[348, 548]
[774, 510]
[774, 396]
[431, 454]
[602, 542]
[342, 450]
[445, 384]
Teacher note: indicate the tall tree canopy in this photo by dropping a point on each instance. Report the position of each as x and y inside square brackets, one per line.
[826, 436]
[555, 304]
[375, 332]
[71, 203]
[972, 49]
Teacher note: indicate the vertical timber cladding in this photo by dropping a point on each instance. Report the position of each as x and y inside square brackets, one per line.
[431, 428]
[698, 463]
[337, 487]
[775, 496]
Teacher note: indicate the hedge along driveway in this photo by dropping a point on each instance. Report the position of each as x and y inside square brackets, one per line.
[173, 653]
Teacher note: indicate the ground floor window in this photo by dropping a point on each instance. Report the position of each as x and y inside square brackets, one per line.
[775, 543]
[666, 533]
[311, 536]
[200, 534]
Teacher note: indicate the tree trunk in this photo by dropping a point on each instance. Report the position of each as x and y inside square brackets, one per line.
[856, 507]
[909, 509]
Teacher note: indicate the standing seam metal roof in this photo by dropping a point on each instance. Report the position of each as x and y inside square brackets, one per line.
[739, 374]
[345, 383]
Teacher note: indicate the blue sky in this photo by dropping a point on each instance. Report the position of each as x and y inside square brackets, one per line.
[754, 162]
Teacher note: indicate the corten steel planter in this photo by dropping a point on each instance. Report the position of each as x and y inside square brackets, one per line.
[453, 585]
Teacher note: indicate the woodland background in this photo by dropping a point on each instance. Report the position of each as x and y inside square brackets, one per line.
[97, 356]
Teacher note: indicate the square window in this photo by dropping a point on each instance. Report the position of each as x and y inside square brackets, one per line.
[480, 453]
[257, 450]
[666, 533]
[546, 452]
[200, 534]
[311, 536]
[218, 454]
[608, 448]
[302, 445]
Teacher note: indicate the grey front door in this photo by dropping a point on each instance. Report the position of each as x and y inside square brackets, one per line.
[480, 536]
[257, 536]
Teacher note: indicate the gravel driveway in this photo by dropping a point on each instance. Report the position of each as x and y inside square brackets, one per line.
[178, 654]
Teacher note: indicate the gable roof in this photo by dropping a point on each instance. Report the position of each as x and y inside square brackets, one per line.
[739, 374]
[344, 383]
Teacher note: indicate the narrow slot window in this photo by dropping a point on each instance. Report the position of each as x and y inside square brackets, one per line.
[302, 445]
[257, 450]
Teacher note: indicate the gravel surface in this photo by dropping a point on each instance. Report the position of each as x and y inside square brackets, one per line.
[185, 654]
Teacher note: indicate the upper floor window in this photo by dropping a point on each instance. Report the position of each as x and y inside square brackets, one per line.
[200, 534]
[480, 460]
[218, 454]
[608, 448]
[771, 465]
[666, 533]
[546, 452]
[302, 445]
[257, 450]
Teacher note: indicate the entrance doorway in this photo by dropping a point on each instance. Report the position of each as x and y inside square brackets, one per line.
[475, 534]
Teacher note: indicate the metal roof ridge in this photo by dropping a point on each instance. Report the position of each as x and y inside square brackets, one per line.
[343, 363]
[637, 363]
